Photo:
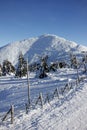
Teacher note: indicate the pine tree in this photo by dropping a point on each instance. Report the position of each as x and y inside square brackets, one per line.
[0, 70]
[7, 67]
[22, 66]
[84, 61]
[43, 67]
[74, 62]
[44, 63]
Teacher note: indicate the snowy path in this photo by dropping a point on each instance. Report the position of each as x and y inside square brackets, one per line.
[71, 115]
[68, 113]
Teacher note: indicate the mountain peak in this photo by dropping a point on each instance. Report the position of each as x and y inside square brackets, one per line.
[51, 35]
[46, 44]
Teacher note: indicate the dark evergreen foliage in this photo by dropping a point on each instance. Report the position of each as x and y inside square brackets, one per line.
[7, 67]
[53, 66]
[22, 66]
[74, 62]
[43, 67]
[42, 73]
[0, 70]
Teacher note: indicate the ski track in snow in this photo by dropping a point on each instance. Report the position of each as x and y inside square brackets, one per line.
[66, 113]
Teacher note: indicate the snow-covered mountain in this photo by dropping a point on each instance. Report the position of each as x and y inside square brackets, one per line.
[33, 48]
[65, 110]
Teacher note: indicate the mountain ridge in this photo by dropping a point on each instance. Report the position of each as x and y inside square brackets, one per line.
[47, 44]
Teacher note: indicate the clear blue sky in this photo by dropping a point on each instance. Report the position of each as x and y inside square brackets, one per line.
[22, 19]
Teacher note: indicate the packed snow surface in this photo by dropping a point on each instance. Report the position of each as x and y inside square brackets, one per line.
[68, 112]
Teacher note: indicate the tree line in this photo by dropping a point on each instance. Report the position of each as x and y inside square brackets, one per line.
[41, 68]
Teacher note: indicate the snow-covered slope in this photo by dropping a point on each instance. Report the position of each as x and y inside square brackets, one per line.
[64, 112]
[33, 48]
[68, 112]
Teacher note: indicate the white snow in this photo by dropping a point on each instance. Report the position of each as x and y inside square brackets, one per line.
[66, 113]
[33, 48]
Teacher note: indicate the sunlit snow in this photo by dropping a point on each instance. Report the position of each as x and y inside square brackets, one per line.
[66, 112]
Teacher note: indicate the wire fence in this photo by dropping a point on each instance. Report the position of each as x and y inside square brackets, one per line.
[61, 93]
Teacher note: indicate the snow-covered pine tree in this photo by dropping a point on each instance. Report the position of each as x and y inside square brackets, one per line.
[44, 63]
[84, 61]
[22, 66]
[53, 66]
[0, 70]
[44, 67]
[7, 67]
[85, 58]
[73, 60]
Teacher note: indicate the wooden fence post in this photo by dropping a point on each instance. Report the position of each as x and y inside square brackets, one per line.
[47, 99]
[12, 114]
[40, 99]
[6, 115]
[56, 92]
[26, 105]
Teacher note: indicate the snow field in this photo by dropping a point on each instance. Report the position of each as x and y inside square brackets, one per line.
[66, 113]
